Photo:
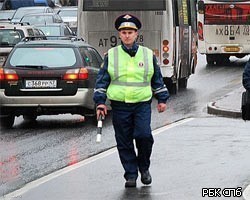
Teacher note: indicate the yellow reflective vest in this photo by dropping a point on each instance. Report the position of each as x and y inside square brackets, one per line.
[130, 76]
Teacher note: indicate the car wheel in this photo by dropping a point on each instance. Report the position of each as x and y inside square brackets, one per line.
[7, 122]
[91, 119]
[29, 117]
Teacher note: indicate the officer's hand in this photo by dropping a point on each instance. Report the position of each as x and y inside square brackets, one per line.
[101, 110]
[161, 107]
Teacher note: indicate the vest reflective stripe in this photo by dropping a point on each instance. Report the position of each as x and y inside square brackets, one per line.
[145, 54]
[130, 76]
[116, 64]
[116, 68]
[131, 84]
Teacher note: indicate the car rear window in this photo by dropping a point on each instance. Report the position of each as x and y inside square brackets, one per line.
[68, 13]
[90, 56]
[9, 37]
[43, 56]
[50, 30]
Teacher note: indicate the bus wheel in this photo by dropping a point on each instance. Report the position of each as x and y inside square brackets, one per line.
[172, 87]
[210, 59]
[223, 60]
[183, 83]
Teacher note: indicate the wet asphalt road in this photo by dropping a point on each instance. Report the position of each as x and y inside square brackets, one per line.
[183, 162]
[29, 151]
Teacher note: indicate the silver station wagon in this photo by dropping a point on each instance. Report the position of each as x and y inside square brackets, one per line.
[48, 77]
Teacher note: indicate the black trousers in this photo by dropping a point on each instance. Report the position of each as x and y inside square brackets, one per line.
[131, 122]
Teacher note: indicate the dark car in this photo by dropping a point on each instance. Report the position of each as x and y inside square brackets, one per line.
[15, 4]
[48, 77]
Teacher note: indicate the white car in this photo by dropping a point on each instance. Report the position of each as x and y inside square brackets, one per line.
[11, 34]
[41, 18]
[20, 12]
[69, 16]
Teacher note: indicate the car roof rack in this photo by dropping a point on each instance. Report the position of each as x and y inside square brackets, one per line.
[32, 38]
[21, 23]
[73, 39]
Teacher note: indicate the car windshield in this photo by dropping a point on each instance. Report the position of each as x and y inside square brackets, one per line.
[9, 37]
[43, 56]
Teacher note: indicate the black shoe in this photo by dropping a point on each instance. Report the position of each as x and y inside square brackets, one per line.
[146, 177]
[131, 182]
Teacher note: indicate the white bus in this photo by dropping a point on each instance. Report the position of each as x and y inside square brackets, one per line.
[168, 28]
[223, 29]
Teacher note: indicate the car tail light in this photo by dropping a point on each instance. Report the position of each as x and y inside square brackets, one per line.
[1, 74]
[76, 74]
[8, 74]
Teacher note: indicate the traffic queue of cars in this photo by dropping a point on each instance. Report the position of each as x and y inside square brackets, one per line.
[41, 76]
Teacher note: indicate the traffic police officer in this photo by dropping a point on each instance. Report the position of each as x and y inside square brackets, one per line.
[129, 77]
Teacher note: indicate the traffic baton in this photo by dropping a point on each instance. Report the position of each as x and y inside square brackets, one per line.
[99, 128]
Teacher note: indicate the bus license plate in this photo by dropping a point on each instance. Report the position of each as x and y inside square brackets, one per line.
[232, 49]
[233, 30]
[40, 83]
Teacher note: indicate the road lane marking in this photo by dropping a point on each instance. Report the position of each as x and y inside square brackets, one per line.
[33, 184]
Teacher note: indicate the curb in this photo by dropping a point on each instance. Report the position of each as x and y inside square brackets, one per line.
[215, 110]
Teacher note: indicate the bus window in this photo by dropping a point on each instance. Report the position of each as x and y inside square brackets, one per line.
[227, 14]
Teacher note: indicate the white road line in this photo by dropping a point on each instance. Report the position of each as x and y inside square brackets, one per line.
[40, 181]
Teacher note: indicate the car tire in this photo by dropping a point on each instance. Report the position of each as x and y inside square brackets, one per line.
[29, 117]
[91, 119]
[8, 121]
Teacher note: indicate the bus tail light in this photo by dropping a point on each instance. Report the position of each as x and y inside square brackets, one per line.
[200, 31]
[165, 48]
[76, 74]
[165, 51]
[8, 74]
[165, 61]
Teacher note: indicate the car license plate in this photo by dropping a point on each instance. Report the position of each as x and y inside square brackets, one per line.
[40, 83]
[233, 30]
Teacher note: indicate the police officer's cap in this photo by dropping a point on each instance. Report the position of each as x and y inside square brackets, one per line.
[127, 21]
